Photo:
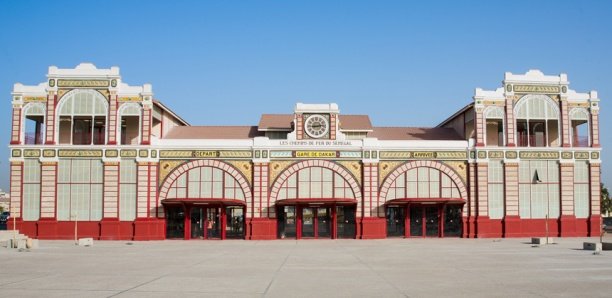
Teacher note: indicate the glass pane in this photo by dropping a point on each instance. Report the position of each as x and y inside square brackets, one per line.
[213, 223]
[307, 222]
[197, 223]
[432, 222]
[175, 222]
[395, 221]
[345, 221]
[452, 221]
[234, 226]
[286, 222]
[416, 221]
[323, 222]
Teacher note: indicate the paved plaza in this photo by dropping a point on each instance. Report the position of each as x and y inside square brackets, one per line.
[308, 268]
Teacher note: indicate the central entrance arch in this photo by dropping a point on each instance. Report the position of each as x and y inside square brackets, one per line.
[205, 199]
[316, 199]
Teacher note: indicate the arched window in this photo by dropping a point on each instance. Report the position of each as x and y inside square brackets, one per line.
[423, 183]
[82, 118]
[494, 119]
[315, 183]
[579, 119]
[206, 183]
[129, 130]
[537, 122]
[33, 123]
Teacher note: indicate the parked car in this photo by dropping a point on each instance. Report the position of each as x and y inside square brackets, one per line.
[4, 217]
[607, 224]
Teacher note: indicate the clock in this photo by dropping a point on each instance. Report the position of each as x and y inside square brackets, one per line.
[316, 126]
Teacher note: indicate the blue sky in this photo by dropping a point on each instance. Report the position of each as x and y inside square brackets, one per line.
[224, 63]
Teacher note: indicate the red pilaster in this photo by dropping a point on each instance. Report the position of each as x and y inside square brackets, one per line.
[112, 119]
[595, 128]
[50, 120]
[16, 125]
[565, 124]
[510, 122]
[146, 125]
[48, 190]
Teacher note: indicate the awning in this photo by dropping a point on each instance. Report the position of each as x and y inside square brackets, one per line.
[203, 201]
[339, 201]
[426, 201]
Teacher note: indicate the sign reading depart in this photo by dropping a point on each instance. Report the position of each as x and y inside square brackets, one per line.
[82, 83]
[315, 154]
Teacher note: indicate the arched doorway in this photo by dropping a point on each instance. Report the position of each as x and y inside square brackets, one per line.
[205, 200]
[423, 201]
[316, 199]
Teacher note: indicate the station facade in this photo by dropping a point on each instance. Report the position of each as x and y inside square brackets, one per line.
[94, 155]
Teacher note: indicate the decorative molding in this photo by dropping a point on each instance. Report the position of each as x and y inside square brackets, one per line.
[48, 153]
[280, 154]
[460, 167]
[496, 154]
[386, 167]
[536, 89]
[395, 155]
[567, 155]
[594, 155]
[31, 153]
[128, 153]
[143, 153]
[129, 99]
[355, 167]
[423, 155]
[166, 167]
[79, 153]
[205, 154]
[245, 167]
[34, 98]
[277, 167]
[511, 154]
[16, 153]
[111, 153]
[538, 155]
[63, 83]
[235, 154]
[581, 155]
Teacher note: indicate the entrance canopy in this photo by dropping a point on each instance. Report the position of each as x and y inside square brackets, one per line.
[425, 201]
[204, 201]
[317, 201]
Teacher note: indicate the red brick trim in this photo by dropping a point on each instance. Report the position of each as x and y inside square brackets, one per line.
[337, 168]
[180, 170]
[417, 164]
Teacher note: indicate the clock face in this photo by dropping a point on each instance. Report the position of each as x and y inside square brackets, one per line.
[316, 126]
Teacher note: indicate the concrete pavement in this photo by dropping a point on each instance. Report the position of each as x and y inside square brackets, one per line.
[308, 268]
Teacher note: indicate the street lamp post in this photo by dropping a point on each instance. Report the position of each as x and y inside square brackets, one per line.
[75, 217]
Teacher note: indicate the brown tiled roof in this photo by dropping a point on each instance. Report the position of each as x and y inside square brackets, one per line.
[355, 122]
[213, 132]
[283, 121]
[415, 133]
[275, 121]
